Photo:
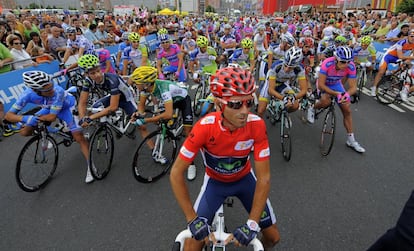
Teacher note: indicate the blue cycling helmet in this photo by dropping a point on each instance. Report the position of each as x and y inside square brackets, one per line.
[163, 37]
[343, 53]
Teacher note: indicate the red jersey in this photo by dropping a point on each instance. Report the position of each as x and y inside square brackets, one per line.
[226, 153]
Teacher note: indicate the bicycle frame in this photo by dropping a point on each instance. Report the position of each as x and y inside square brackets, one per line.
[122, 129]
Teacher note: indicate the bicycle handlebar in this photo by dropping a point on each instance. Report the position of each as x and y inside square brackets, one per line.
[220, 236]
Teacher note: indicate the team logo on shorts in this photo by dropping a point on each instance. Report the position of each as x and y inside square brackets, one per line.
[244, 145]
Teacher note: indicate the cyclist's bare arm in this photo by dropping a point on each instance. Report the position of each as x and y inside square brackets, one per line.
[180, 188]
[141, 105]
[113, 106]
[303, 85]
[352, 82]
[262, 171]
[272, 89]
[401, 55]
[83, 101]
[166, 115]
[13, 117]
[125, 67]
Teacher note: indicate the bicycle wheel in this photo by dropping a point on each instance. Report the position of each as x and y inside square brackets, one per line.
[144, 168]
[101, 152]
[361, 83]
[388, 89]
[285, 138]
[328, 132]
[36, 163]
[199, 94]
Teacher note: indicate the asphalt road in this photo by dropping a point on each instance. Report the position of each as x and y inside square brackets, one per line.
[341, 202]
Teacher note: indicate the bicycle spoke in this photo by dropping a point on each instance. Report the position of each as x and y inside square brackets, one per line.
[328, 132]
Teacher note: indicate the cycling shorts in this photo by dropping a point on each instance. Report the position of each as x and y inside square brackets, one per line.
[182, 77]
[187, 112]
[213, 193]
[282, 88]
[387, 59]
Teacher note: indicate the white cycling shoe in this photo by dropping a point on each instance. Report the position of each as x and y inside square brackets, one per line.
[356, 146]
[89, 178]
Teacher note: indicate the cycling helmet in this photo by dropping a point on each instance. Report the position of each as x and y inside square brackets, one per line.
[232, 81]
[227, 26]
[88, 61]
[343, 53]
[284, 26]
[308, 42]
[341, 40]
[289, 39]
[293, 57]
[164, 37]
[336, 32]
[103, 54]
[144, 74]
[202, 41]
[261, 27]
[134, 37]
[162, 31]
[246, 43]
[188, 34]
[307, 33]
[366, 40]
[70, 30]
[348, 28]
[125, 35]
[36, 79]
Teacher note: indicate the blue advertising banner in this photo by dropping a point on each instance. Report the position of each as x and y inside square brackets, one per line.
[11, 83]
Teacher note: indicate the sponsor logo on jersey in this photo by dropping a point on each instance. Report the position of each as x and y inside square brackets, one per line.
[244, 145]
[188, 154]
[264, 153]
[253, 117]
[208, 120]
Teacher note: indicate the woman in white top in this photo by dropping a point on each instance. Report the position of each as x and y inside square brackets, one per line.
[19, 54]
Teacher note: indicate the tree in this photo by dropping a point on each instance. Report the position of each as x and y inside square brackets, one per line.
[158, 7]
[210, 8]
[33, 6]
[406, 6]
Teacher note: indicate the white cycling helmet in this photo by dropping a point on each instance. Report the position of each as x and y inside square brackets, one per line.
[36, 79]
[289, 39]
[293, 57]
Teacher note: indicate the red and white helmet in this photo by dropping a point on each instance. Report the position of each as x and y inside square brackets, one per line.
[232, 81]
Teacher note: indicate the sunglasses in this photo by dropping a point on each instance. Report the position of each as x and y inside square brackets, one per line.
[44, 90]
[411, 36]
[165, 42]
[344, 61]
[17, 43]
[237, 104]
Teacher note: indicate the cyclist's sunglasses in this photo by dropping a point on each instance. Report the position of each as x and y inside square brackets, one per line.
[237, 104]
[344, 61]
[43, 90]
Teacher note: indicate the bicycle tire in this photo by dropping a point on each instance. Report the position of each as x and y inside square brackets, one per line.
[199, 94]
[144, 168]
[30, 156]
[360, 86]
[388, 90]
[285, 138]
[101, 145]
[328, 132]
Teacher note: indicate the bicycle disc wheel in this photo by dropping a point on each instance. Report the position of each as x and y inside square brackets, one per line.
[36, 163]
[196, 100]
[285, 138]
[144, 167]
[388, 90]
[328, 132]
[101, 152]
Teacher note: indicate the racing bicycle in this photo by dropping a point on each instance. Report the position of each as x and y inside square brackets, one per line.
[202, 91]
[164, 141]
[101, 144]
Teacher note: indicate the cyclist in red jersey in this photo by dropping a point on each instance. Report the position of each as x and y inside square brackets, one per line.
[225, 139]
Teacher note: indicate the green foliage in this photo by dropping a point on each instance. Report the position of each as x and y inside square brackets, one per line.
[34, 6]
[210, 8]
[158, 7]
[406, 6]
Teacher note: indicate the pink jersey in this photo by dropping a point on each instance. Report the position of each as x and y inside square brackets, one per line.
[171, 55]
[334, 76]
